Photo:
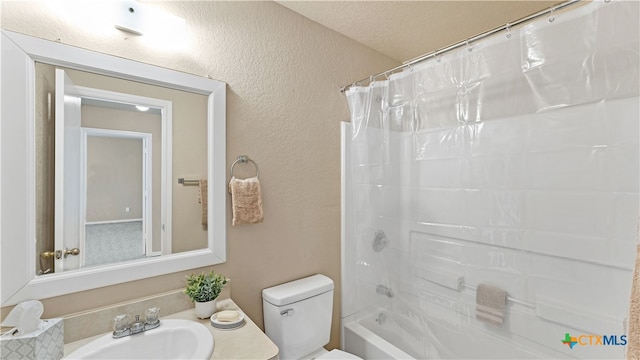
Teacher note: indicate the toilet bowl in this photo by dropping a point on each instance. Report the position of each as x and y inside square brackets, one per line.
[297, 318]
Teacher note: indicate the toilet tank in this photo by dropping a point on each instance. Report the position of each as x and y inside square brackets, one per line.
[297, 315]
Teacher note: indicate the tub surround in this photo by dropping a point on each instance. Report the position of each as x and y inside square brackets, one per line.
[247, 342]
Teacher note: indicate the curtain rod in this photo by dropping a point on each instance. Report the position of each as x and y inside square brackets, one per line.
[466, 42]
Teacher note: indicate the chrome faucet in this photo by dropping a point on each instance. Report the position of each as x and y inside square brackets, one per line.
[122, 326]
[137, 326]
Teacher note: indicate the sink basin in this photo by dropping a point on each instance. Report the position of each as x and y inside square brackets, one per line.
[174, 339]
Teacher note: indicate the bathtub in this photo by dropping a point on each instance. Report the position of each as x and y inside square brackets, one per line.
[371, 337]
[364, 343]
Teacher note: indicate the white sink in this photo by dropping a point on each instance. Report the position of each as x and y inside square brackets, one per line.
[174, 339]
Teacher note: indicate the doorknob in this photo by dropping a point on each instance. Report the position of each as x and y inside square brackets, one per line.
[60, 253]
[74, 251]
[47, 254]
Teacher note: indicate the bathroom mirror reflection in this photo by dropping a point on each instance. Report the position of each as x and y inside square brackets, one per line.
[54, 201]
[111, 171]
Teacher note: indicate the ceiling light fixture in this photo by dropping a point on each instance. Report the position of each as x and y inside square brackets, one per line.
[130, 16]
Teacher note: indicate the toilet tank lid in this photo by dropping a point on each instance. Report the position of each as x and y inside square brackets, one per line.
[297, 290]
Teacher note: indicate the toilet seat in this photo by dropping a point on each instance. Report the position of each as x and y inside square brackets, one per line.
[337, 354]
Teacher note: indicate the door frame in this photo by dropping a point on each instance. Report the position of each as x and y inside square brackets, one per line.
[147, 185]
[166, 111]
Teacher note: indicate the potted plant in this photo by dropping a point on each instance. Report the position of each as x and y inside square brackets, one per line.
[203, 289]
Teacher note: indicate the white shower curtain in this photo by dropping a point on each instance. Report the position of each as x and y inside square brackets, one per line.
[513, 162]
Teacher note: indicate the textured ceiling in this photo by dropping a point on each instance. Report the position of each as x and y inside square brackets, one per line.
[404, 30]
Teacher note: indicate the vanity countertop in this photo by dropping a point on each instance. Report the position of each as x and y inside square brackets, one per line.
[247, 342]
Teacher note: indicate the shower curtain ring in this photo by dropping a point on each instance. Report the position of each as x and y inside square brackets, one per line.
[551, 17]
[469, 48]
[508, 29]
[437, 56]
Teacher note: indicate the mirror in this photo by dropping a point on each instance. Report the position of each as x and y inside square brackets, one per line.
[145, 155]
[92, 204]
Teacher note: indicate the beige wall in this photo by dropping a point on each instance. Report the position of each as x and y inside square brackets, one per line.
[114, 178]
[283, 110]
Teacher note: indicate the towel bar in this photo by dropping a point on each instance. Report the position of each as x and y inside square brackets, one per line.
[185, 182]
[509, 298]
[243, 159]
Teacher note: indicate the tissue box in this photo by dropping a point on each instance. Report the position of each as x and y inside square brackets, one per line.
[45, 343]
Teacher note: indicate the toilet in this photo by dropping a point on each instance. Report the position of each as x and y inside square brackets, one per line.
[297, 318]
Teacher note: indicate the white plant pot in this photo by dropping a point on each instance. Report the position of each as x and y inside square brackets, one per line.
[204, 310]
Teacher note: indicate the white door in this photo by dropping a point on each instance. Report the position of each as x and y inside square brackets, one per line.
[68, 225]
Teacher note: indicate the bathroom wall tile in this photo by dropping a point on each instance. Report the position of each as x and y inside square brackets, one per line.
[369, 268]
[622, 121]
[495, 208]
[442, 206]
[369, 300]
[623, 220]
[502, 237]
[600, 250]
[566, 128]
[441, 143]
[493, 172]
[583, 169]
[439, 173]
[590, 288]
[624, 175]
[499, 137]
[375, 174]
[401, 147]
[362, 203]
[579, 213]
[546, 336]
[397, 234]
[391, 203]
[455, 231]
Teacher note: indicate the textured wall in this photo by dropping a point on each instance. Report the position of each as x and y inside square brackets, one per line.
[283, 110]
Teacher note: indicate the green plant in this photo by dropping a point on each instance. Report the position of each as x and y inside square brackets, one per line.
[204, 287]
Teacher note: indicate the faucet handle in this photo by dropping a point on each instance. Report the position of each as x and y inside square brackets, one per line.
[121, 323]
[151, 315]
